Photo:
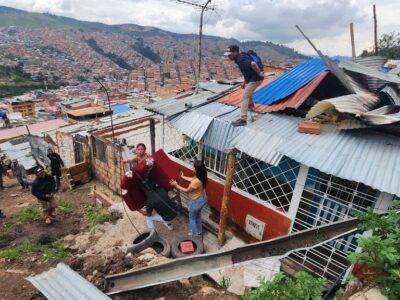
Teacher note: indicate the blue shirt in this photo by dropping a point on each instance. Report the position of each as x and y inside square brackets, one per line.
[244, 63]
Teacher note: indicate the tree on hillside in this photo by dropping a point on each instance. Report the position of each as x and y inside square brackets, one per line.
[388, 46]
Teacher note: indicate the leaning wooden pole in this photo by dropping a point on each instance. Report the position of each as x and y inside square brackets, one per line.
[152, 136]
[353, 47]
[230, 169]
[375, 31]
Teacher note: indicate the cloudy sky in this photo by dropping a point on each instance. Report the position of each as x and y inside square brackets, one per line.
[325, 22]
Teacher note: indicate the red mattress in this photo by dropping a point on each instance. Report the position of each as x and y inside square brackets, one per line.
[161, 172]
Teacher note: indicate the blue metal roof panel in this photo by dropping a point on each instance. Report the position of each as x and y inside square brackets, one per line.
[290, 82]
[117, 109]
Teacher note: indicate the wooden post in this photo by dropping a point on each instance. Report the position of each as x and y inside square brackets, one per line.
[200, 150]
[152, 136]
[230, 169]
[375, 31]
[353, 47]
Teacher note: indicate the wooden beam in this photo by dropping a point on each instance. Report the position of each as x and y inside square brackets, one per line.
[375, 31]
[230, 169]
[353, 47]
[152, 136]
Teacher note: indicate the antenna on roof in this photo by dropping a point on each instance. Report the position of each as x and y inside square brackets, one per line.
[204, 7]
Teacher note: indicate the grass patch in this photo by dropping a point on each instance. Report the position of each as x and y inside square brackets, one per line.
[28, 214]
[65, 207]
[56, 252]
[96, 215]
[15, 252]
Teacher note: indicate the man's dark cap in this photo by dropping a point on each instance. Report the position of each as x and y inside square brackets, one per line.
[230, 49]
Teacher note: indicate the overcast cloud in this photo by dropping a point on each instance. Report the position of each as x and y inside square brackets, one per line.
[325, 22]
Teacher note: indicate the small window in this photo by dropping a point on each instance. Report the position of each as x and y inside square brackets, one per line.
[99, 149]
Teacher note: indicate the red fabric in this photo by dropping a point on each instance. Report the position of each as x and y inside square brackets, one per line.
[163, 170]
[161, 173]
[135, 199]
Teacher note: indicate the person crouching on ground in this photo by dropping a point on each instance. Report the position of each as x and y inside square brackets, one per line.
[55, 164]
[159, 207]
[197, 193]
[43, 188]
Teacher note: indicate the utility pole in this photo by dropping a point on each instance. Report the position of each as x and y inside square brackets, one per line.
[375, 31]
[203, 7]
[353, 47]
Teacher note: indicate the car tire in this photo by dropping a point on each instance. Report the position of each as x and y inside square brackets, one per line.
[163, 247]
[196, 240]
[143, 241]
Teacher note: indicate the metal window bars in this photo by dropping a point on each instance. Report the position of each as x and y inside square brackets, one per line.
[269, 183]
[326, 199]
[178, 145]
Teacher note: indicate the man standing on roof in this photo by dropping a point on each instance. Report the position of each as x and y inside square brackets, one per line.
[43, 188]
[55, 164]
[252, 79]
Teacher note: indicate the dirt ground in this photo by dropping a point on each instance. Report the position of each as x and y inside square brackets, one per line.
[94, 251]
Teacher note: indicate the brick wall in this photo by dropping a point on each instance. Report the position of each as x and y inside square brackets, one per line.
[109, 171]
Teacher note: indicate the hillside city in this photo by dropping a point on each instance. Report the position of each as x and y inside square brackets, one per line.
[121, 164]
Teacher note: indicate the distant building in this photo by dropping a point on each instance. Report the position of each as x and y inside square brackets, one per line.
[23, 105]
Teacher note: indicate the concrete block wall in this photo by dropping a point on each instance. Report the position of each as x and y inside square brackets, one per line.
[66, 148]
[109, 171]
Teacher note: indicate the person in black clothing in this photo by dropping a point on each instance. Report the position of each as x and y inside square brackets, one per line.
[253, 77]
[43, 188]
[159, 207]
[55, 164]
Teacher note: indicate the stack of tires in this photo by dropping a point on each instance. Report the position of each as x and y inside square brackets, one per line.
[150, 239]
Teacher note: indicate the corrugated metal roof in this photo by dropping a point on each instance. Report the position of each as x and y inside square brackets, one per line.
[87, 111]
[373, 62]
[120, 108]
[63, 283]
[21, 151]
[179, 103]
[388, 114]
[215, 87]
[290, 82]
[296, 99]
[196, 122]
[392, 93]
[261, 138]
[357, 68]
[293, 101]
[355, 104]
[234, 97]
[221, 131]
[40, 127]
[359, 155]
